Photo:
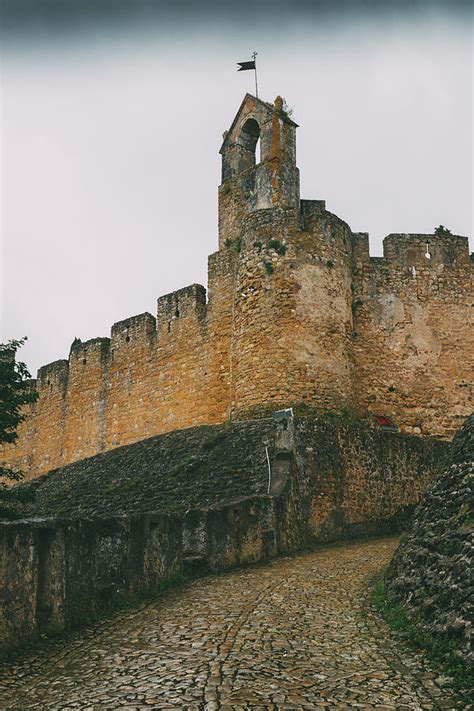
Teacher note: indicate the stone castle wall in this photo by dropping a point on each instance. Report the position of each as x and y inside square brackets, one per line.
[414, 331]
[296, 312]
[150, 376]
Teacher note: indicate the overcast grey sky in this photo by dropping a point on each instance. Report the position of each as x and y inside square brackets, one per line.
[112, 122]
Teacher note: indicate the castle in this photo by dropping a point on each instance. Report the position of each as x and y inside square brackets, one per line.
[296, 312]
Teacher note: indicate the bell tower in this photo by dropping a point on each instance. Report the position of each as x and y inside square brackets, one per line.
[290, 293]
[255, 180]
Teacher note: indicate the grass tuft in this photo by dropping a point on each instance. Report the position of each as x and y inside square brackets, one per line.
[442, 651]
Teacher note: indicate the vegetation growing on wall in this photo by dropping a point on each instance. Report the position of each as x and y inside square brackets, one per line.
[441, 231]
[441, 651]
[279, 247]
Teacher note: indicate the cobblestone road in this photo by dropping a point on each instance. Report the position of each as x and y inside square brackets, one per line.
[287, 635]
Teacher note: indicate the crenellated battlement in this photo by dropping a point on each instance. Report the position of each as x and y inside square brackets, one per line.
[426, 250]
[127, 334]
[413, 330]
[308, 210]
[189, 302]
[183, 303]
[412, 249]
[83, 351]
[296, 311]
[53, 375]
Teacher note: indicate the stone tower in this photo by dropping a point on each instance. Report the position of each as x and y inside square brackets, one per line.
[292, 316]
[249, 185]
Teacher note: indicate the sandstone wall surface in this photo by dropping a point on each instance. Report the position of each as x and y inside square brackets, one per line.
[318, 326]
[414, 331]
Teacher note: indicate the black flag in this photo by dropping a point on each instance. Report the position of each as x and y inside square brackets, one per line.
[243, 66]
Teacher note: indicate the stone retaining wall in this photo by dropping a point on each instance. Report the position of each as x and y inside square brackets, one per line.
[112, 526]
[351, 477]
[56, 572]
[359, 481]
[431, 571]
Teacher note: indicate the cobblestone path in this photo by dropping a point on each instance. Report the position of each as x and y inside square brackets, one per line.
[287, 635]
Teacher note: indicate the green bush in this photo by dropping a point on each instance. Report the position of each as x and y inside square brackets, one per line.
[441, 231]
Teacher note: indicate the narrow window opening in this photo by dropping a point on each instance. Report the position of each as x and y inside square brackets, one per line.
[169, 326]
[84, 361]
[176, 313]
[127, 338]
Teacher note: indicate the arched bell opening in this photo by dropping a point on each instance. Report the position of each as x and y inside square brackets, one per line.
[250, 142]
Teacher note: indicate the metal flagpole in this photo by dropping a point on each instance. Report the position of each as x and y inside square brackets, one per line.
[254, 55]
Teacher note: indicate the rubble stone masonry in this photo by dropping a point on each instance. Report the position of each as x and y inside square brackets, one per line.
[296, 312]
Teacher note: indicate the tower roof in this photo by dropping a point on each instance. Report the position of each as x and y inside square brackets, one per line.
[254, 107]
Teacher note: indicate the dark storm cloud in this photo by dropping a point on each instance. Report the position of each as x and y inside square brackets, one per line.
[20, 15]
